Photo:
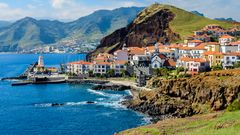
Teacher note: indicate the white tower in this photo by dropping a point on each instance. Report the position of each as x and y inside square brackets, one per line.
[156, 48]
[40, 61]
[124, 46]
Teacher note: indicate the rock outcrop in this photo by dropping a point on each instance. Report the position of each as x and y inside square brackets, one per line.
[150, 26]
[182, 97]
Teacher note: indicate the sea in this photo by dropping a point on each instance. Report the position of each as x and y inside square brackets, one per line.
[27, 110]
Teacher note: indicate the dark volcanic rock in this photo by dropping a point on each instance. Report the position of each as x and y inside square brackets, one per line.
[90, 102]
[111, 87]
[183, 97]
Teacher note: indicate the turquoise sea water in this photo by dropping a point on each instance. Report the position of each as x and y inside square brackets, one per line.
[26, 110]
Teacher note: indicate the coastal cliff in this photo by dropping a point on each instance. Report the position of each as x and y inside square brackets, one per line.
[204, 93]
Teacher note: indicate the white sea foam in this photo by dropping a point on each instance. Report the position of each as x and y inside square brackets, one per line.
[146, 120]
[64, 104]
[43, 105]
[76, 103]
[97, 92]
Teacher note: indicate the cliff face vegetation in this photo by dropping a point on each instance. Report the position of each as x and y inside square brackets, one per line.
[183, 97]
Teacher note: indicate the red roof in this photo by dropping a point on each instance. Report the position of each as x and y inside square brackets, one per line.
[235, 43]
[233, 54]
[81, 62]
[226, 36]
[212, 53]
[187, 59]
[170, 62]
[212, 43]
[121, 62]
[195, 41]
[103, 63]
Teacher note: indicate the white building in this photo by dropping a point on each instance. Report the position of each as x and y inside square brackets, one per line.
[118, 66]
[101, 67]
[230, 47]
[194, 65]
[121, 55]
[229, 59]
[226, 40]
[79, 67]
[157, 58]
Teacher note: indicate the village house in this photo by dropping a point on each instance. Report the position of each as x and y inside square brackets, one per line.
[212, 46]
[119, 66]
[132, 51]
[231, 47]
[203, 37]
[226, 40]
[122, 54]
[169, 64]
[229, 59]
[194, 49]
[157, 58]
[214, 58]
[104, 57]
[101, 67]
[79, 67]
[193, 65]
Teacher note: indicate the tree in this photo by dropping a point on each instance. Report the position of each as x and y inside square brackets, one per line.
[236, 65]
[123, 72]
[161, 72]
[111, 73]
[217, 67]
[90, 72]
[179, 69]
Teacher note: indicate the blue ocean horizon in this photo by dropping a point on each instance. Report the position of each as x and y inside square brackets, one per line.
[26, 110]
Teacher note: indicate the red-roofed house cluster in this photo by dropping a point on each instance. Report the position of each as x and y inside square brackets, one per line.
[196, 54]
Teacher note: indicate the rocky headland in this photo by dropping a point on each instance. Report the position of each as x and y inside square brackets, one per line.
[204, 93]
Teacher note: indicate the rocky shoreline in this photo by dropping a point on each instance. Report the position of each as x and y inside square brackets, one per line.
[183, 97]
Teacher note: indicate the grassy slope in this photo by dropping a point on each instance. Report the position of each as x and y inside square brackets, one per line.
[222, 123]
[184, 22]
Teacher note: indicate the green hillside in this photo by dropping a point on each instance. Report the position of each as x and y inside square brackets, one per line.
[29, 32]
[184, 22]
[227, 123]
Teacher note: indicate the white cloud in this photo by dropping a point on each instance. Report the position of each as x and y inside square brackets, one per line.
[61, 3]
[8, 13]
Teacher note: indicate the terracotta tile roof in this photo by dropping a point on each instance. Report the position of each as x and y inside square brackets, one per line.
[233, 54]
[199, 60]
[212, 53]
[226, 36]
[136, 50]
[170, 62]
[162, 56]
[235, 43]
[195, 41]
[211, 43]
[187, 59]
[175, 46]
[103, 63]
[81, 62]
[199, 47]
[121, 62]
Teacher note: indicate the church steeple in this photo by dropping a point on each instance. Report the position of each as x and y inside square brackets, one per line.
[156, 48]
[124, 46]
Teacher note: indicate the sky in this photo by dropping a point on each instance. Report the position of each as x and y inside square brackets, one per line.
[68, 10]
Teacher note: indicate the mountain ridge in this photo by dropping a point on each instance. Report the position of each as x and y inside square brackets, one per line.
[29, 32]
